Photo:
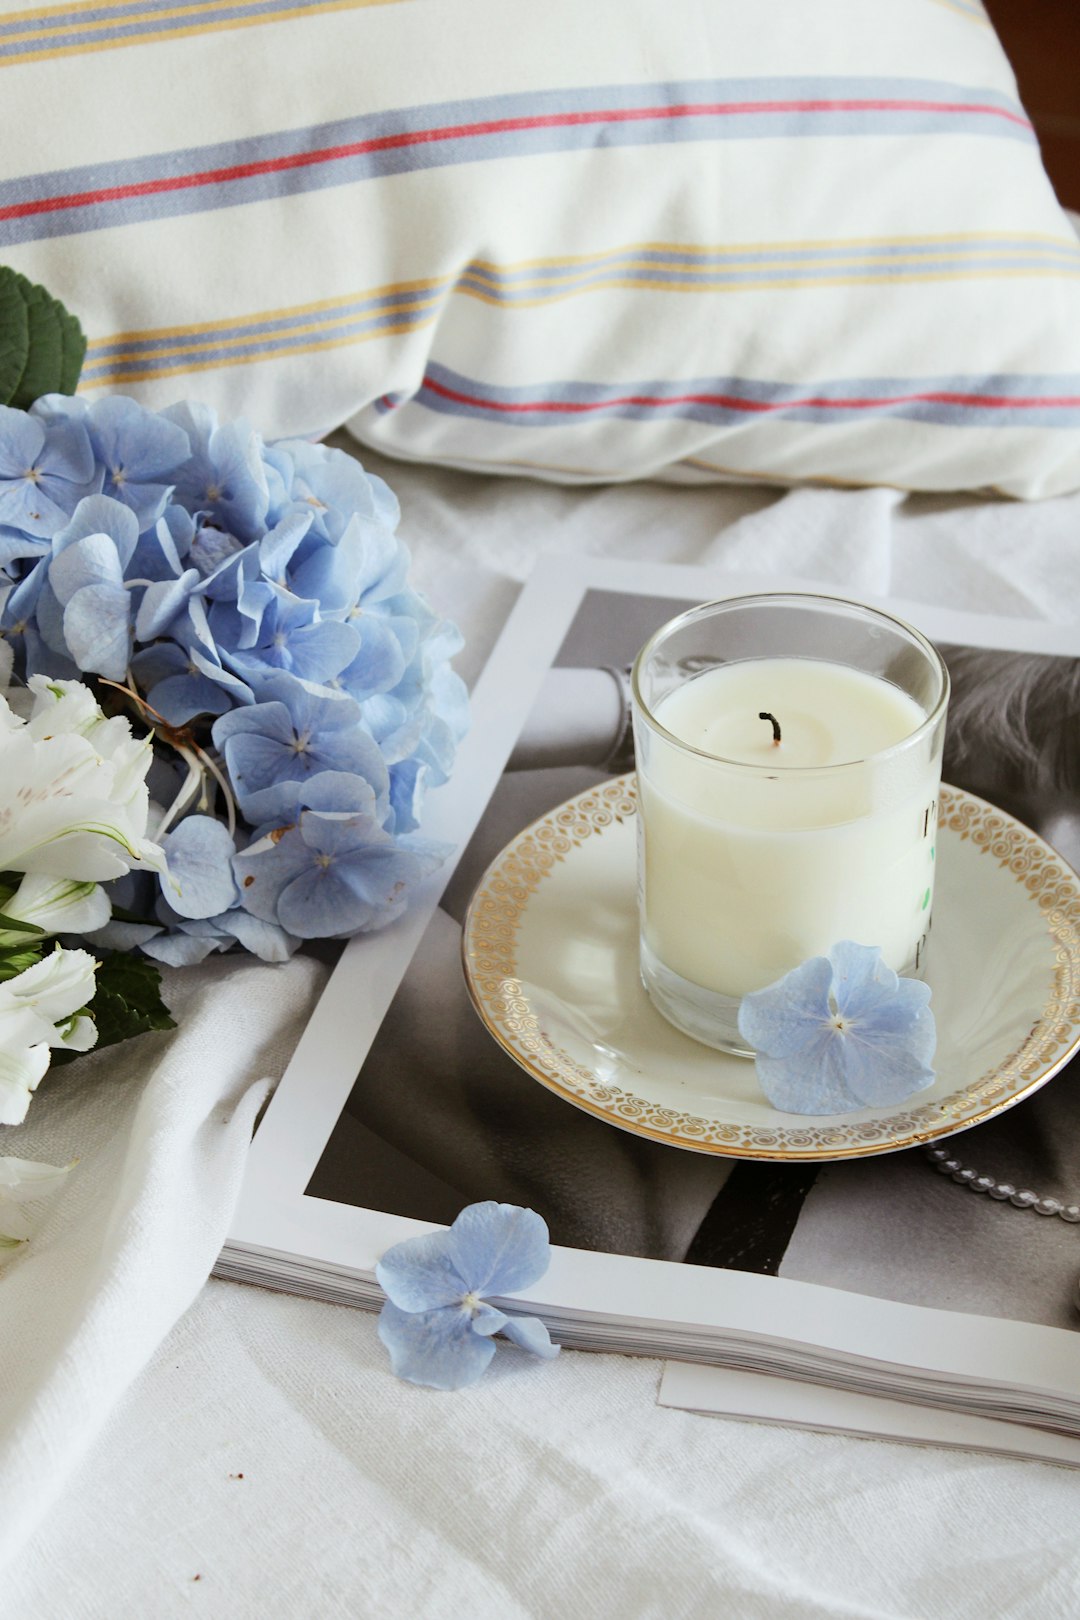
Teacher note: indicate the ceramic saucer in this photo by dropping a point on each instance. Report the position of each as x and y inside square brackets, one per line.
[551, 945]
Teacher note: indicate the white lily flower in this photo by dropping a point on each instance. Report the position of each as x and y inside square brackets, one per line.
[56, 906]
[39, 1009]
[73, 797]
[24, 1181]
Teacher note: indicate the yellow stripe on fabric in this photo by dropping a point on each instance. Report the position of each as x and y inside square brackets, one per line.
[728, 249]
[114, 378]
[210, 328]
[337, 308]
[764, 284]
[250, 339]
[112, 21]
[211, 26]
[304, 319]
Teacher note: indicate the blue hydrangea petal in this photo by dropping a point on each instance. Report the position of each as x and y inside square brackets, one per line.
[268, 720]
[418, 1274]
[812, 1082]
[216, 555]
[22, 440]
[486, 1320]
[49, 612]
[267, 941]
[266, 867]
[261, 763]
[123, 936]
[343, 834]
[783, 1018]
[530, 1334]
[162, 603]
[88, 561]
[379, 662]
[879, 1069]
[162, 672]
[277, 546]
[861, 979]
[199, 851]
[313, 708]
[865, 1038]
[139, 451]
[434, 1348]
[97, 515]
[324, 904]
[499, 1248]
[333, 793]
[181, 949]
[24, 505]
[450, 697]
[66, 456]
[16, 546]
[408, 784]
[320, 651]
[97, 630]
[238, 690]
[224, 475]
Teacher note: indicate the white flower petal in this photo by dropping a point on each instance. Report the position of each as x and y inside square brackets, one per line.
[58, 905]
[20, 1075]
[24, 1179]
[56, 987]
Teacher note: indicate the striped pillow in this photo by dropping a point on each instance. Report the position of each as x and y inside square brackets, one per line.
[800, 239]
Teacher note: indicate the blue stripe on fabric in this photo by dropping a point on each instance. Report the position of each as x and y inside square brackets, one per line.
[746, 278]
[607, 400]
[255, 351]
[148, 30]
[453, 149]
[285, 323]
[79, 20]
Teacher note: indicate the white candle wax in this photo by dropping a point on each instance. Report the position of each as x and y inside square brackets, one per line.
[747, 873]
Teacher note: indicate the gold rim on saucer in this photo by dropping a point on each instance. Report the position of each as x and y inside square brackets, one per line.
[1022, 911]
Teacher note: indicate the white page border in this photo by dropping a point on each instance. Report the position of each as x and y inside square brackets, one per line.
[661, 1300]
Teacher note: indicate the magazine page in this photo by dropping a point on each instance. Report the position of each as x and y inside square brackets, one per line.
[425, 1113]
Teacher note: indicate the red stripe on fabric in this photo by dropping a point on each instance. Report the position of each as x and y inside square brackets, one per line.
[495, 126]
[735, 403]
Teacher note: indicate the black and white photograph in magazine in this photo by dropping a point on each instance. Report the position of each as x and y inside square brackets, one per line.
[441, 1116]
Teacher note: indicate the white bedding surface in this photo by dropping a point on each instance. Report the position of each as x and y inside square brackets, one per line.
[547, 1489]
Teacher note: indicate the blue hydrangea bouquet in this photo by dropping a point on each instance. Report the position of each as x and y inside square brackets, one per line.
[249, 605]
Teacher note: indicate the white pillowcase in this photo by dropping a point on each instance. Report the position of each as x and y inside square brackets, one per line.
[800, 239]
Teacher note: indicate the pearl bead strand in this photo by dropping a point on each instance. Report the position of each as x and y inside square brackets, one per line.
[1003, 1191]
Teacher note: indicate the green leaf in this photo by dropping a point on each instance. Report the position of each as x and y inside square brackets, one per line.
[42, 345]
[126, 1002]
[73, 339]
[44, 363]
[15, 925]
[16, 959]
[14, 333]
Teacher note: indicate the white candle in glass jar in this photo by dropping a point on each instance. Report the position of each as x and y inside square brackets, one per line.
[747, 873]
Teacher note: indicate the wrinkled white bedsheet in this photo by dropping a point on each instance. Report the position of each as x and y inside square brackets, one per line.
[245, 1455]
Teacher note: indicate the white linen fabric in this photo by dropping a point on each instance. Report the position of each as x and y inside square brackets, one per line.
[548, 1488]
[639, 238]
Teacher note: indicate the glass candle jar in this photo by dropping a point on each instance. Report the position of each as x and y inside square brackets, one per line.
[789, 761]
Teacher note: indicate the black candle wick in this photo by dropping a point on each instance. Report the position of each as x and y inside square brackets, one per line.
[764, 715]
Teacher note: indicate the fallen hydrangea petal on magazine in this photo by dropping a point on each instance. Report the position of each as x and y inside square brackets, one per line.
[436, 1322]
[840, 1032]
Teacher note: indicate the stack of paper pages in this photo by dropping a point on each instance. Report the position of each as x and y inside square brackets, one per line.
[837, 1284]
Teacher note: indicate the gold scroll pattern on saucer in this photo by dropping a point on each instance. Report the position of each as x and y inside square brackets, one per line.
[490, 953]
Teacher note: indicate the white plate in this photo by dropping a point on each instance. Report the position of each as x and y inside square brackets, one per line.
[551, 959]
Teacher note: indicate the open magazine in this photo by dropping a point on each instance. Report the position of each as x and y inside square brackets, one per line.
[872, 1281]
